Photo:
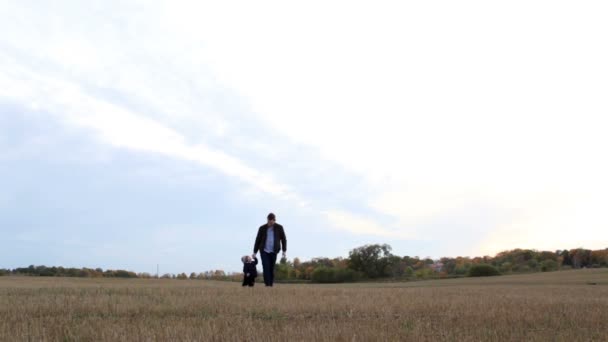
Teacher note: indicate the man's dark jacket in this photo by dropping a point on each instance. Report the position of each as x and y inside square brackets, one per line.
[279, 237]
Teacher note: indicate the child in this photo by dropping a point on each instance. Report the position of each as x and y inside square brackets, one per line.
[250, 272]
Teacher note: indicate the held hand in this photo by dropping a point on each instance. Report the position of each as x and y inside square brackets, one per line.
[284, 254]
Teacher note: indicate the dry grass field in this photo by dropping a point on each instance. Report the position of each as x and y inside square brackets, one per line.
[558, 306]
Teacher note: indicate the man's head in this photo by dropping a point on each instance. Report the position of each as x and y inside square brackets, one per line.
[271, 219]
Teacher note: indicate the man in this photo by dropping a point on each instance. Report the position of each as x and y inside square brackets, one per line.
[271, 237]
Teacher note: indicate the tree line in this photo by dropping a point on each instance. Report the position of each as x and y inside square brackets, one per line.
[377, 261]
[370, 262]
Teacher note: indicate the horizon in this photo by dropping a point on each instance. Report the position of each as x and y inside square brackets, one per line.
[435, 259]
[136, 134]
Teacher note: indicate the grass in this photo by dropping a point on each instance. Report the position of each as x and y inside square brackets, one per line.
[557, 306]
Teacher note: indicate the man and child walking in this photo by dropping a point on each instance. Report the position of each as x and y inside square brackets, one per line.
[271, 239]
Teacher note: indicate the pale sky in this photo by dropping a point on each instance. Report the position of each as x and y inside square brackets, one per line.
[145, 132]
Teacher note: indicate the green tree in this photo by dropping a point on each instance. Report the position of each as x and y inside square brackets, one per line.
[424, 273]
[371, 260]
[549, 265]
[506, 267]
[533, 264]
[283, 270]
[333, 275]
[483, 270]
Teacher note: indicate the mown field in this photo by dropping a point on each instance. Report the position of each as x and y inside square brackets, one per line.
[557, 306]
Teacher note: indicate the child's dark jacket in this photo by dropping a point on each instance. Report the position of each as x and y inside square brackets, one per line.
[250, 267]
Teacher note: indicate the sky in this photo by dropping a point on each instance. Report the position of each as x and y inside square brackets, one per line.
[137, 133]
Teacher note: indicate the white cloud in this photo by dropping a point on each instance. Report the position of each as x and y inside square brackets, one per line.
[121, 128]
[362, 226]
[436, 107]
[555, 223]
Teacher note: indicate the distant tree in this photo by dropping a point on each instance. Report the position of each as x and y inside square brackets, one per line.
[600, 257]
[567, 260]
[483, 270]
[123, 274]
[506, 267]
[371, 260]
[283, 270]
[580, 257]
[396, 266]
[462, 270]
[549, 265]
[333, 275]
[296, 263]
[546, 255]
[449, 265]
[424, 273]
[533, 264]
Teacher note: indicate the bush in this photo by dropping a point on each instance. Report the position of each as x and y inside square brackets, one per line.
[549, 265]
[333, 275]
[461, 270]
[424, 273]
[533, 264]
[506, 267]
[483, 270]
[3, 272]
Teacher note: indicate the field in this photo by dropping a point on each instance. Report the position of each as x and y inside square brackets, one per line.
[557, 306]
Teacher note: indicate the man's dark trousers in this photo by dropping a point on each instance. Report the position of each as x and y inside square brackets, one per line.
[268, 261]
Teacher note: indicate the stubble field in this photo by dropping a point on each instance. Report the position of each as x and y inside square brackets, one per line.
[557, 306]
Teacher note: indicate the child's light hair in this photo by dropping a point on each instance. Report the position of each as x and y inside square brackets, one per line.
[244, 259]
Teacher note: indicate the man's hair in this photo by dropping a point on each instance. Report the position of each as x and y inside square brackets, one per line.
[271, 216]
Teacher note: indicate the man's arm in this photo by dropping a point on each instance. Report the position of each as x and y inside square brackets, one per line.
[257, 241]
[284, 240]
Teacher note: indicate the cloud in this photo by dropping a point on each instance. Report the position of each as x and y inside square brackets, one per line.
[437, 111]
[387, 118]
[360, 225]
[555, 222]
[120, 127]
[134, 93]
